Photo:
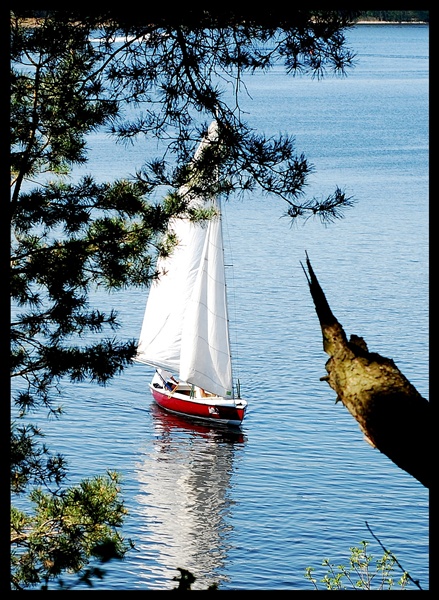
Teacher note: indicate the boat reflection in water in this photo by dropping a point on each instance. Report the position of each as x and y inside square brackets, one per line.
[185, 500]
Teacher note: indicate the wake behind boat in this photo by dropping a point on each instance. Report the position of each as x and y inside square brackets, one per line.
[185, 331]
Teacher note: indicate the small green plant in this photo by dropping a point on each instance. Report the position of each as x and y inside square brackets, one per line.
[362, 573]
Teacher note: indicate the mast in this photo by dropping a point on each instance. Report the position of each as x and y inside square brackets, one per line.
[226, 297]
[186, 325]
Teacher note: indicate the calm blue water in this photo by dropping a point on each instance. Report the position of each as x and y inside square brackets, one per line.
[252, 511]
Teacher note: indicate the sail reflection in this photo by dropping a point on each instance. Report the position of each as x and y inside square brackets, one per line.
[185, 501]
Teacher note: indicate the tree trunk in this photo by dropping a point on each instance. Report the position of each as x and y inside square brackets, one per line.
[391, 413]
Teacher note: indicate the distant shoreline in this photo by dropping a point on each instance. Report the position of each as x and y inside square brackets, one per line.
[34, 21]
[391, 22]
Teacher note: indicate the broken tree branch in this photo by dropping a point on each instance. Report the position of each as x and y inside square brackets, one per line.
[391, 413]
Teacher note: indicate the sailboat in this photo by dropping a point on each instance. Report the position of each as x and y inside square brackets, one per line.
[185, 330]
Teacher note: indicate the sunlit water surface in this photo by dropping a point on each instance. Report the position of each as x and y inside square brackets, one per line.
[252, 510]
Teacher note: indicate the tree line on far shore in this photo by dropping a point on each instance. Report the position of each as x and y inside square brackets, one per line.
[397, 16]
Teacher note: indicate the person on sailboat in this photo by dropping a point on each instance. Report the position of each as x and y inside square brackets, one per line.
[169, 382]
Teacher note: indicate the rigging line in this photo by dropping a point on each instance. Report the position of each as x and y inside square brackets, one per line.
[231, 294]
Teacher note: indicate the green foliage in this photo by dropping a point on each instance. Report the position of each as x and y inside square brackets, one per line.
[65, 530]
[361, 573]
[31, 462]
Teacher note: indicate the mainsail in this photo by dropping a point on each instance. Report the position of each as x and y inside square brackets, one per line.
[185, 326]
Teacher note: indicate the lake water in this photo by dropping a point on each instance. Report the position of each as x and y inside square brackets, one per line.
[253, 510]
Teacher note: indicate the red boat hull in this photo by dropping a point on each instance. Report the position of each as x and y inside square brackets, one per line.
[207, 409]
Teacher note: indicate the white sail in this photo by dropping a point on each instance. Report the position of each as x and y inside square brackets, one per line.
[185, 326]
[160, 336]
[205, 349]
